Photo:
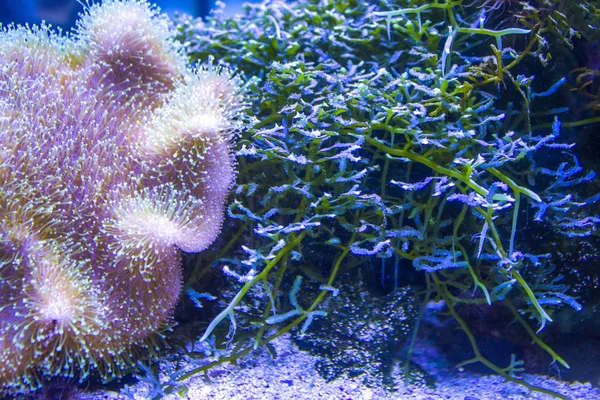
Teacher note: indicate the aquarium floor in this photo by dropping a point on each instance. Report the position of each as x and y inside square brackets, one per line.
[292, 376]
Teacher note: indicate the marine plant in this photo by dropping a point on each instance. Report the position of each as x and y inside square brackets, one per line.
[390, 137]
[114, 156]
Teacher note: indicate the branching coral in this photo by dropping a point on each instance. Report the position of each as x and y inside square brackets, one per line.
[113, 156]
[397, 142]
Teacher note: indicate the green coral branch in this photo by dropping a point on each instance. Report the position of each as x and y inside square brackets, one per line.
[450, 172]
[465, 178]
[417, 10]
[445, 294]
[545, 317]
[454, 28]
[260, 276]
[496, 34]
[169, 388]
[533, 335]
[574, 124]
[474, 276]
[304, 136]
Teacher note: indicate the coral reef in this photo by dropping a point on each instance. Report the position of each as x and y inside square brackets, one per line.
[114, 156]
[421, 144]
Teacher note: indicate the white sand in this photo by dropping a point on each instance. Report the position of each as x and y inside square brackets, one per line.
[292, 376]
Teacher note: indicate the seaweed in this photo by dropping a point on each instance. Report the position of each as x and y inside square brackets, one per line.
[393, 138]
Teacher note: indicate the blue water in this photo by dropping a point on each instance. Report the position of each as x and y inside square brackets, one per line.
[64, 12]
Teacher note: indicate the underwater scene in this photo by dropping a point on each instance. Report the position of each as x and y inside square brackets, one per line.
[386, 199]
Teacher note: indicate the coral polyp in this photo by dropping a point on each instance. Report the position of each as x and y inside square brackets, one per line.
[114, 157]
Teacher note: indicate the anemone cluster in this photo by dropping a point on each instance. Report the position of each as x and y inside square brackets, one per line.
[114, 156]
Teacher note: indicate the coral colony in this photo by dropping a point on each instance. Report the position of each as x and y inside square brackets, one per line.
[396, 140]
[384, 142]
[113, 157]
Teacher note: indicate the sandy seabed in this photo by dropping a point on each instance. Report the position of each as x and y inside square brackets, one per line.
[292, 376]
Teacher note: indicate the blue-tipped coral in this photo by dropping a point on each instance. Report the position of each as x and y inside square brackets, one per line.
[402, 144]
[113, 157]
